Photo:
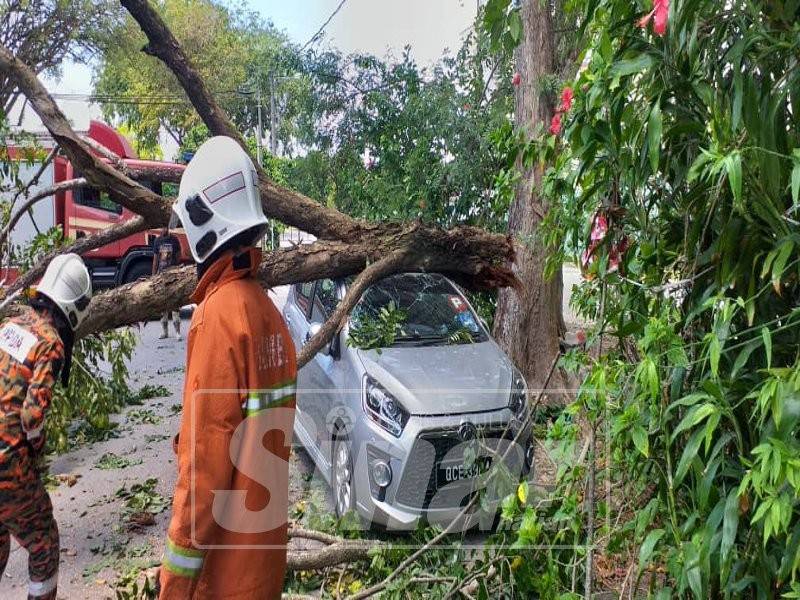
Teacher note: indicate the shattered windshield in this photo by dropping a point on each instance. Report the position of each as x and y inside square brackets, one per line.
[423, 308]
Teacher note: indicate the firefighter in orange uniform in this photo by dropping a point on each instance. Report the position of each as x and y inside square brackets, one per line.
[227, 536]
[35, 347]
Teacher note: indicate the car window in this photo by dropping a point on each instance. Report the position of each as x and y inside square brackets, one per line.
[302, 295]
[431, 309]
[325, 300]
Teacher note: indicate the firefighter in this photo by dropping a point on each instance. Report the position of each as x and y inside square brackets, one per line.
[167, 254]
[227, 534]
[35, 347]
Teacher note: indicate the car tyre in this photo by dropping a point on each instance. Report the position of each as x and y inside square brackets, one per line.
[342, 480]
[140, 270]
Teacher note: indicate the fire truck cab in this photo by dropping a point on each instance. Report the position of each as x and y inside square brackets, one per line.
[85, 211]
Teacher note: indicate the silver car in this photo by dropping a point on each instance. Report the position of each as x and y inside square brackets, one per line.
[407, 426]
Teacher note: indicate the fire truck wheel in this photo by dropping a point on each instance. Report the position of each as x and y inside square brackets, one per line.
[139, 270]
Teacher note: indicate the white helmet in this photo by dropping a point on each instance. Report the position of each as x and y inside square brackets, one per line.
[218, 197]
[67, 283]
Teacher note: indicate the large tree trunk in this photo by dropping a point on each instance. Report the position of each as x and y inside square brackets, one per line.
[529, 324]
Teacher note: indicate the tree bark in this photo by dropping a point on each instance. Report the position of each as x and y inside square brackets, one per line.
[529, 324]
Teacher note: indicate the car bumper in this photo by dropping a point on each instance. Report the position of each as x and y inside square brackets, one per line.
[418, 491]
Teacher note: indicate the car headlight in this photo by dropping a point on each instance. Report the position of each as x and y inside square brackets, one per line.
[518, 402]
[383, 408]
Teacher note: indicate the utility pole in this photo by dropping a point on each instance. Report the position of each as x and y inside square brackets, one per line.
[273, 118]
[259, 133]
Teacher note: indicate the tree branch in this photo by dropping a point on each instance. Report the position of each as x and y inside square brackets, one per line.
[69, 184]
[99, 174]
[35, 179]
[366, 278]
[81, 246]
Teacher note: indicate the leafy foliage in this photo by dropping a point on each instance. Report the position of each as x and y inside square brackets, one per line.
[688, 145]
[375, 331]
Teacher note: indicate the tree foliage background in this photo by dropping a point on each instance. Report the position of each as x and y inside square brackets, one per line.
[680, 154]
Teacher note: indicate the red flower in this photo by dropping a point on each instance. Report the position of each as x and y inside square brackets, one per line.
[566, 99]
[599, 227]
[658, 15]
[555, 124]
[516, 79]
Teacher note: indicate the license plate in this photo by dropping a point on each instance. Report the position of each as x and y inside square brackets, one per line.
[456, 471]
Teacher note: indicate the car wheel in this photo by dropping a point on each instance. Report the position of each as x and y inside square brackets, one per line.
[342, 478]
[139, 270]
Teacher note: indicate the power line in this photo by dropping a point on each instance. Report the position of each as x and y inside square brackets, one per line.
[324, 25]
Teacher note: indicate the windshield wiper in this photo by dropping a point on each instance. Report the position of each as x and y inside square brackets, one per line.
[416, 337]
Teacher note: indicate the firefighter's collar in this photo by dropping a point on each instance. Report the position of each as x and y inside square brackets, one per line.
[228, 267]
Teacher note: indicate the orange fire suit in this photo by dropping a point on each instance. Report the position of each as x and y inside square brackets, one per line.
[227, 536]
[31, 356]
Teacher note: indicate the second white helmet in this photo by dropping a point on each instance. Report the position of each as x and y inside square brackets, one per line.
[218, 196]
[67, 283]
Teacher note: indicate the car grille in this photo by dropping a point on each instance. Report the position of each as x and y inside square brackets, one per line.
[419, 485]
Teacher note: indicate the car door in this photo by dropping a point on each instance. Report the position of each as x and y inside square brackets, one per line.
[322, 369]
[296, 313]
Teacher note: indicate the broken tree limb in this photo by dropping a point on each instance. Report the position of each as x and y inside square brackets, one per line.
[346, 551]
[35, 179]
[127, 192]
[336, 551]
[442, 253]
[374, 272]
[81, 246]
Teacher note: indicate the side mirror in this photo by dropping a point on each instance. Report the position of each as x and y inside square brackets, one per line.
[335, 348]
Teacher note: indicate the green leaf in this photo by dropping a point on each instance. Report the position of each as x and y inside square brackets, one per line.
[779, 265]
[689, 453]
[730, 524]
[695, 415]
[733, 165]
[654, 125]
[766, 336]
[515, 26]
[714, 352]
[639, 435]
[646, 551]
[631, 65]
[796, 176]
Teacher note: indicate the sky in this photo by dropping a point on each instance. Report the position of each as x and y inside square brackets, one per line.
[381, 27]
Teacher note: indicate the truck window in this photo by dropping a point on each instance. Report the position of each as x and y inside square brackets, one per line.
[94, 198]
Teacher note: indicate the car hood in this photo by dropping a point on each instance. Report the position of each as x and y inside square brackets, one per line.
[440, 380]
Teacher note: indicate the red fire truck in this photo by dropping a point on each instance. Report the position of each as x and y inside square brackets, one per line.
[85, 211]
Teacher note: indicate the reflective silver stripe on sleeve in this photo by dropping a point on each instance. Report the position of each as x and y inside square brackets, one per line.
[41, 588]
[193, 563]
[266, 398]
[34, 433]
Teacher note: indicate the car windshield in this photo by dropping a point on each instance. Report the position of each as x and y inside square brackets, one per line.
[423, 308]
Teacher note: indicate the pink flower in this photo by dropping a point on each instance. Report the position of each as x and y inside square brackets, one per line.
[566, 99]
[599, 227]
[658, 15]
[516, 79]
[555, 124]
